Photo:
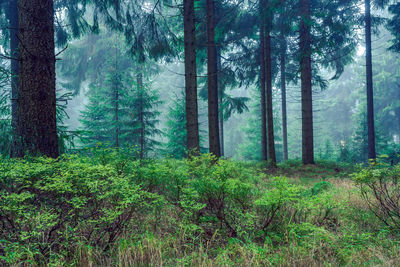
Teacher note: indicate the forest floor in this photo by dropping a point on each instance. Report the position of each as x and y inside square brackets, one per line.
[110, 210]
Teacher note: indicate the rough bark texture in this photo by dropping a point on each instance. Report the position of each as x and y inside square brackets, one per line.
[37, 126]
[213, 127]
[283, 91]
[306, 84]
[220, 104]
[192, 124]
[264, 152]
[268, 70]
[370, 92]
[14, 42]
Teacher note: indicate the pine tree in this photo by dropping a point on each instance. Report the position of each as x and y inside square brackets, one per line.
[306, 84]
[192, 127]
[176, 129]
[37, 126]
[370, 94]
[142, 118]
[96, 119]
[122, 113]
[212, 84]
[394, 26]
[264, 140]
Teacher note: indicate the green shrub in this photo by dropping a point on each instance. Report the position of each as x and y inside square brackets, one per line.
[47, 207]
[320, 187]
[380, 188]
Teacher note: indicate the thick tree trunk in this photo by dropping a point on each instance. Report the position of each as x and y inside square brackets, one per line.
[220, 104]
[213, 127]
[283, 91]
[192, 124]
[141, 114]
[14, 43]
[268, 70]
[370, 92]
[306, 83]
[264, 151]
[37, 125]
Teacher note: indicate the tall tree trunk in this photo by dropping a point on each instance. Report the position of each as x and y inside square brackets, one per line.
[14, 43]
[283, 91]
[268, 70]
[141, 113]
[370, 92]
[220, 104]
[37, 125]
[192, 123]
[213, 127]
[264, 151]
[306, 83]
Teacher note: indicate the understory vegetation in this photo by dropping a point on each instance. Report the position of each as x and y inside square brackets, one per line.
[106, 209]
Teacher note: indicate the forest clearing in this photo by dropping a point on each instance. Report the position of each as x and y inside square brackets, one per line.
[199, 133]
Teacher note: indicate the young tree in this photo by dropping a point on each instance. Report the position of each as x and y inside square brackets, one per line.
[37, 126]
[142, 117]
[176, 129]
[98, 117]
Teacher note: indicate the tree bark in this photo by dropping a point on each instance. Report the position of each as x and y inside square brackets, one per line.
[213, 127]
[283, 91]
[306, 83]
[264, 151]
[220, 104]
[14, 43]
[192, 124]
[37, 125]
[268, 70]
[370, 92]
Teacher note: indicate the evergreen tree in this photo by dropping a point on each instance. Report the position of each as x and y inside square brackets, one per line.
[37, 126]
[192, 124]
[263, 79]
[121, 113]
[97, 118]
[394, 26]
[369, 79]
[176, 129]
[142, 117]
[212, 83]
[306, 84]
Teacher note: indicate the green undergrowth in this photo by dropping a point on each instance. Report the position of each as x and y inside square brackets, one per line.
[106, 209]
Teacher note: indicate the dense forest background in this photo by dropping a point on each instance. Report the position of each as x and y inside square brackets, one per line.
[199, 133]
[121, 78]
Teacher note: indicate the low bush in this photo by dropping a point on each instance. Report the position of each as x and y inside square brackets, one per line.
[106, 208]
[48, 207]
[380, 188]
